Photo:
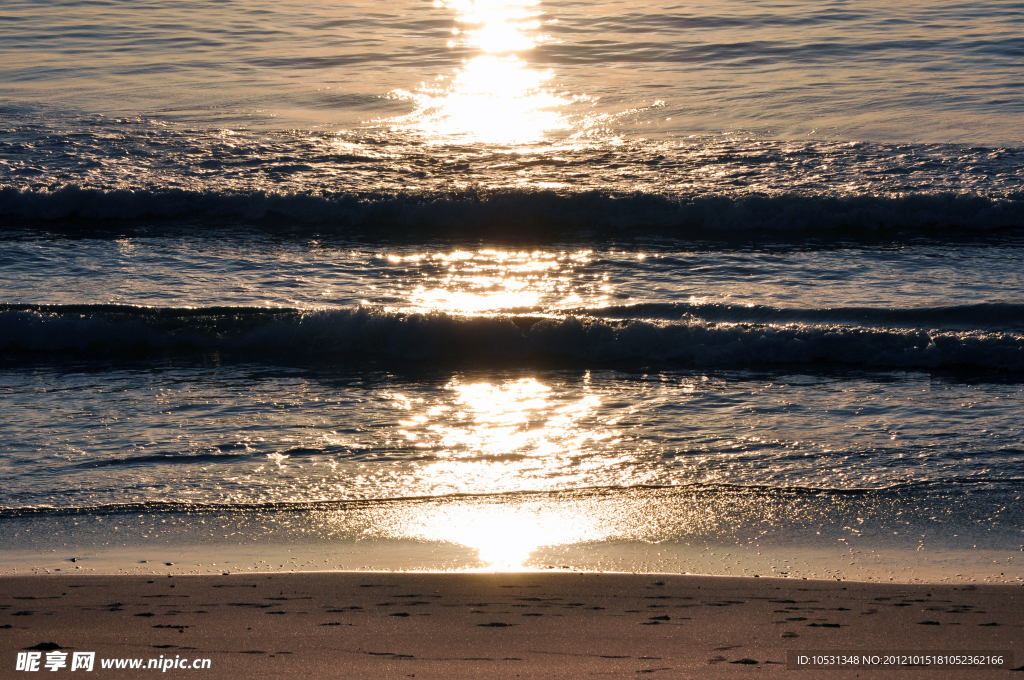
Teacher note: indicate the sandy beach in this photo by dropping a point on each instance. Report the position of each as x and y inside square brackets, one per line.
[426, 625]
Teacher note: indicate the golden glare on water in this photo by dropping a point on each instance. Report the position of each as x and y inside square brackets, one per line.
[504, 535]
[498, 437]
[498, 428]
[512, 297]
[490, 281]
[496, 26]
[495, 97]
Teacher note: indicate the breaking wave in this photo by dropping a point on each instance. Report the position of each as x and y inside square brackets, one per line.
[512, 212]
[990, 316]
[364, 333]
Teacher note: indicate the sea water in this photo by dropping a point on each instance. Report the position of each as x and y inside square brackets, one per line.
[721, 287]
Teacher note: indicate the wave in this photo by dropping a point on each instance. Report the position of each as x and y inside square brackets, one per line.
[144, 507]
[222, 456]
[513, 213]
[366, 333]
[998, 316]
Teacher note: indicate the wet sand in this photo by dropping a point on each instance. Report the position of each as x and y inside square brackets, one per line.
[427, 625]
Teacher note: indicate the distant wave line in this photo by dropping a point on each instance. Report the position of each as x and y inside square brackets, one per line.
[354, 334]
[987, 316]
[511, 213]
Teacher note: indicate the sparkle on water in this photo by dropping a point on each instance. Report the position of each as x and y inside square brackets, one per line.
[487, 281]
[514, 425]
[504, 535]
[495, 97]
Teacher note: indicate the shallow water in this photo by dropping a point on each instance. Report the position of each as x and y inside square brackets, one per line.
[245, 435]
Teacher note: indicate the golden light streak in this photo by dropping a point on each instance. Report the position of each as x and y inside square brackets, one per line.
[495, 97]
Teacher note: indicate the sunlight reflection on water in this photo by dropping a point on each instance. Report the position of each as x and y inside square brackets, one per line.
[488, 281]
[517, 422]
[505, 536]
[495, 97]
[503, 428]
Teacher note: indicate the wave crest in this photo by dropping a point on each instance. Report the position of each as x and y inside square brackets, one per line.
[349, 335]
[511, 213]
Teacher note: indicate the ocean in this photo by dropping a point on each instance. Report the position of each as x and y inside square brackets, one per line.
[720, 287]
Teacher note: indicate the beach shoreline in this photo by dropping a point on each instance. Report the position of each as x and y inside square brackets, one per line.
[877, 536]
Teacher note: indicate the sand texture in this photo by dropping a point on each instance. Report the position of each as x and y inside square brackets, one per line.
[331, 624]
